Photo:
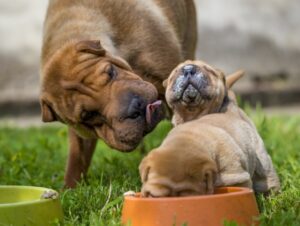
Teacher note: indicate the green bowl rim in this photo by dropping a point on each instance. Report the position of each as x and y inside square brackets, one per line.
[25, 203]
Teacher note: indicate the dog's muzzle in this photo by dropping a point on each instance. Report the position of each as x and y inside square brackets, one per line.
[190, 85]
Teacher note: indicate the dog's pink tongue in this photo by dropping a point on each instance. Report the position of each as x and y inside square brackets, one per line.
[151, 108]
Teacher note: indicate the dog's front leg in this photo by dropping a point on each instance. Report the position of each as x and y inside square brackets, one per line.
[80, 155]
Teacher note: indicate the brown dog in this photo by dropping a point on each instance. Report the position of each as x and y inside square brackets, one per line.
[213, 143]
[103, 63]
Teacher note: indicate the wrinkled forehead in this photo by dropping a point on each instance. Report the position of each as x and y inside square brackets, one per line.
[206, 68]
[200, 67]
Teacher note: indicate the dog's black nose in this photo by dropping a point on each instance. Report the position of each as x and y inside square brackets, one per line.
[136, 108]
[189, 70]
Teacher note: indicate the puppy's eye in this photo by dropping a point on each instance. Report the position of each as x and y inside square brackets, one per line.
[112, 71]
[88, 115]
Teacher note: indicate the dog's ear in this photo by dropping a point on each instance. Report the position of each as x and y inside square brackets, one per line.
[144, 169]
[165, 83]
[210, 176]
[90, 46]
[203, 169]
[48, 114]
[232, 78]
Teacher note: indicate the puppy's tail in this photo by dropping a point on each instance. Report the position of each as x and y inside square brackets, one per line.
[232, 78]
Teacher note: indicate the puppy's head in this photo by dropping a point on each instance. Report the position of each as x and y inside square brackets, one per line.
[98, 95]
[195, 88]
[170, 173]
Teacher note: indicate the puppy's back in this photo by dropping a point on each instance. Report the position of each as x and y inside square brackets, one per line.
[233, 135]
[205, 136]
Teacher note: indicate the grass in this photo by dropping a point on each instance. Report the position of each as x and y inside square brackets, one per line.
[36, 156]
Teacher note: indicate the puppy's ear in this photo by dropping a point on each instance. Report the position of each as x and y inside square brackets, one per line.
[90, 46]
[144, 169]
[165, 83]
[210, 179]
[204, 170]
[48, 114]
[232, 78]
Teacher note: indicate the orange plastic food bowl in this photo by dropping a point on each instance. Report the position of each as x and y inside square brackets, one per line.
[228, 203]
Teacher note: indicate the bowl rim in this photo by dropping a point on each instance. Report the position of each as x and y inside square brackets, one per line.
[235, 192]
[26, 203]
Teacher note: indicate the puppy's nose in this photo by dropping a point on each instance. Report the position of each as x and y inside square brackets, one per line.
[136, 108]
[189, 70]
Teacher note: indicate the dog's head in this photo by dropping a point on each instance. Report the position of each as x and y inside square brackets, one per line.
[170, 173]
[98, 95]
[194, 88]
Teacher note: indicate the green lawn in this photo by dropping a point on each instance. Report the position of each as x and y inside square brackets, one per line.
[36, 156]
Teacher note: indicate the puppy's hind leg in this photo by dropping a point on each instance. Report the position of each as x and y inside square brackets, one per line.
[266, 181]
[265, 178]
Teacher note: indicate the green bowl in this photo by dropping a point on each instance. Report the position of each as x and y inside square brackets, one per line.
[28, 206]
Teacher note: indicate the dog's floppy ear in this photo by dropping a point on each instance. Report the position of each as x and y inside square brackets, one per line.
[48, 114]
[203, 169]
[232, 78]
[90, 46]
[209, 176]
[144, 169]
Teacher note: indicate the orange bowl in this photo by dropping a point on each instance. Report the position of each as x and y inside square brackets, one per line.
[228, 203]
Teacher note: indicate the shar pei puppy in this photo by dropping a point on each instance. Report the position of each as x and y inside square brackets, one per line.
[214, 143]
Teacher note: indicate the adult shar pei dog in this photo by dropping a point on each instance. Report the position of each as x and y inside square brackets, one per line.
[102, 67]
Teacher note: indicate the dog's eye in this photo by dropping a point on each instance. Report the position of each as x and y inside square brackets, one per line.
[112, 72]
[88, 115]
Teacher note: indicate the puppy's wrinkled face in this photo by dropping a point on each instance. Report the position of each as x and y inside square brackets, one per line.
[195, 87]
[98, 95]
[170, 174]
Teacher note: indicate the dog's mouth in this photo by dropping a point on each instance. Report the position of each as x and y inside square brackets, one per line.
[153, 115]
[191, 96]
